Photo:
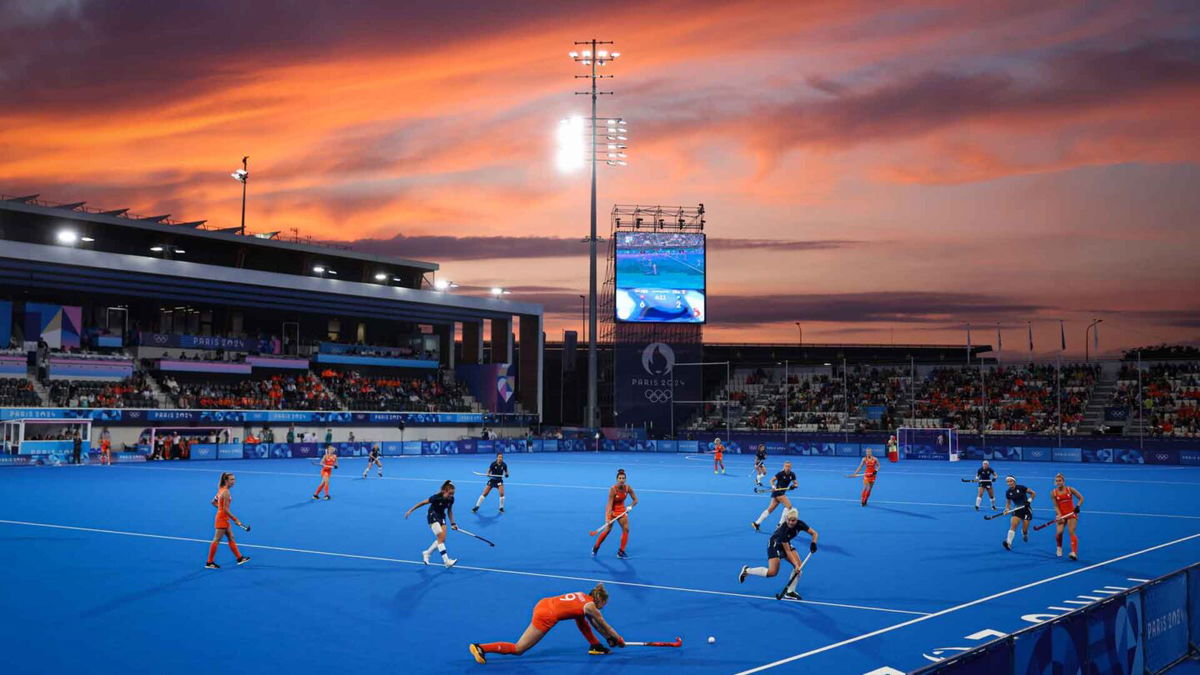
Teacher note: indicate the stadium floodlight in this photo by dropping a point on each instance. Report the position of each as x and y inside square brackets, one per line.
[156, 249]
[380, 276]
[497, 291]
[571, 149]
[67, 237]
[242, 175]
[318, 269]
[87, 239]
[180, 251]
[445, 284]
[333, 272]
[596, 53]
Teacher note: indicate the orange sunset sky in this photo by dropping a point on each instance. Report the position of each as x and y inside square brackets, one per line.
[878, 171]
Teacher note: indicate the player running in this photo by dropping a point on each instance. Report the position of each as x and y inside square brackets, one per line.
[105, 451]
[760, 463]
[1068, 514]
[373, 460]
[782, 482]
[441, 505]
[779, 547]
[496, 474]
[985, 476]
[615, 510]
[718, 456]
[224, 515]
[869, 468]
[582, 607]
[328, 464]
[893, 449]
[1018, 500]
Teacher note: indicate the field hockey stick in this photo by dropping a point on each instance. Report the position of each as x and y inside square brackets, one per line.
[761, 490]
[609, 523]
[969, 480]
[852, 475]
[677, 643]
[794, 577]
[244, 526]
[472, 534]
[1055, 519]
[487, 475]
[1005, 512]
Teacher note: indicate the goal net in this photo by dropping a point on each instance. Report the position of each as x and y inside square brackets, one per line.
[940, 444]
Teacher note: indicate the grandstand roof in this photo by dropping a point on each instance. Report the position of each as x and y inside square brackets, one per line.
[28, 219]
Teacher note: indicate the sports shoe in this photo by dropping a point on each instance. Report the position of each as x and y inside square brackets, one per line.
[425, 556]
[364, 475]
[792, 595]
[449, 562]
[477, 652]
[622, 554]
[243, 560]
[474, 509]
[1007, 546]
[743, 573]
[381, 474]
[501, 509]
[722, 470]
[594, 551]
[755, 526]
[1072, 556]
[327, 497]
[1024, 536]
[976, 507]
[316, 497]
[715, 472]
[212, 566]
[995, 508]
[1058, 551]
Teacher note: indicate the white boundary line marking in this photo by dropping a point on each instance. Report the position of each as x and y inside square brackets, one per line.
[965, 605]
[355, 556]
[653, 490]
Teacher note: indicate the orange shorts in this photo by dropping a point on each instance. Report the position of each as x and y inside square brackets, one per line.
[869, 479]
[221, 523]
[543, 616]
[719, 457]
[326, 471]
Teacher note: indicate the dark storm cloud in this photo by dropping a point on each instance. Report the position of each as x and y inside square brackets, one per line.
[480, 248]
[1069, 82]
[883, 307]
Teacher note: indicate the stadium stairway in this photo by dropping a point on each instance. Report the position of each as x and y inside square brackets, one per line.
[161, 396]
[1101, 397]
[41, 390]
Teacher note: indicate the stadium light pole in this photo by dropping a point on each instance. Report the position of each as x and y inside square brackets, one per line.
[242, 175]
[1095, 324]
[592, 56]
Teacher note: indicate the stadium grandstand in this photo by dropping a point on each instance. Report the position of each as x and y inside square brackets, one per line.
[145, 321]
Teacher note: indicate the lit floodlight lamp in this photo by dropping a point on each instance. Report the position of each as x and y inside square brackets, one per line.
[571, 148]
[156, 249]
[67, 237]
[87, 239]
[318, 269]
[240, 175]
[380, 276]
[180, 251]
[333, 272]
[573, 54]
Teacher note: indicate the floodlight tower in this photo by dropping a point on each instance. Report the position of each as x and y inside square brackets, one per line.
[595, 54]
[242, 175]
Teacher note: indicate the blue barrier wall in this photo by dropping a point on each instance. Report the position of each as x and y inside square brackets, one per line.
[1143, 630]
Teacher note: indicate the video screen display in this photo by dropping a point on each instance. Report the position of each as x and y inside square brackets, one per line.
[660, 277]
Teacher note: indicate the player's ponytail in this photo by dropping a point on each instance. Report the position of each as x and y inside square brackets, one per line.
[224, 479]
[599, 593]
[447, 484]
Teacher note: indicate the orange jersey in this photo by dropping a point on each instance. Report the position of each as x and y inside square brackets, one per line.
[870, 467]
[327, 463]
[1064, 501]
[223, 500]
[105, 445]
[618, 499]
[562, 607]
[719, 449]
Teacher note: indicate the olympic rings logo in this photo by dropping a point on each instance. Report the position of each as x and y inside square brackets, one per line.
[657, 395]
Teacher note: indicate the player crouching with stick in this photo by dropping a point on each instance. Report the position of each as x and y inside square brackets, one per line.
[582, 607]
[780, 546]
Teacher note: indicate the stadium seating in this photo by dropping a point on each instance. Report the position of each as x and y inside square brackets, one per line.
[131, 393]
[278, 392]
[18, 392]
[423, 393]
[1170, 402]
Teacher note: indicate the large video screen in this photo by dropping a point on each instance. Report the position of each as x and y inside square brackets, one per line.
[660, 277]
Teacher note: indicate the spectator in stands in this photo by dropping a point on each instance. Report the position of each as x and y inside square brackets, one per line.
[76, 447]
[328, 436]
[291, 434]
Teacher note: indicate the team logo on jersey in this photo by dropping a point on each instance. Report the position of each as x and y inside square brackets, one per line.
[658, 358]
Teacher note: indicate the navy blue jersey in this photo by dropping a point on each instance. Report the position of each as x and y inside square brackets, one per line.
[1018, 495]
[785, 532]
[760, 456]
[785, 480]
[498, 469]
[985, 475]
[438, 505]
[374, 452]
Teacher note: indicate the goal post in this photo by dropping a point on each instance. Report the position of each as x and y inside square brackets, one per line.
[937, 444]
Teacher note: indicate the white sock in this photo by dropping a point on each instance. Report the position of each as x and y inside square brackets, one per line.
[791, 586]
[762, 516]
[1011, 534]
[977, 501]
[502, 502]
[993, 503]
[432, 547]
[782, 515]
[479, 502]
[442, 549]
[757, 571]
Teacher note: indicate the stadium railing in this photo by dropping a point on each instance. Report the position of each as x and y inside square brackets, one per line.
[1149, 628]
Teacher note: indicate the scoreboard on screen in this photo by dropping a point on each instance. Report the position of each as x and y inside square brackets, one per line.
[660, 277]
